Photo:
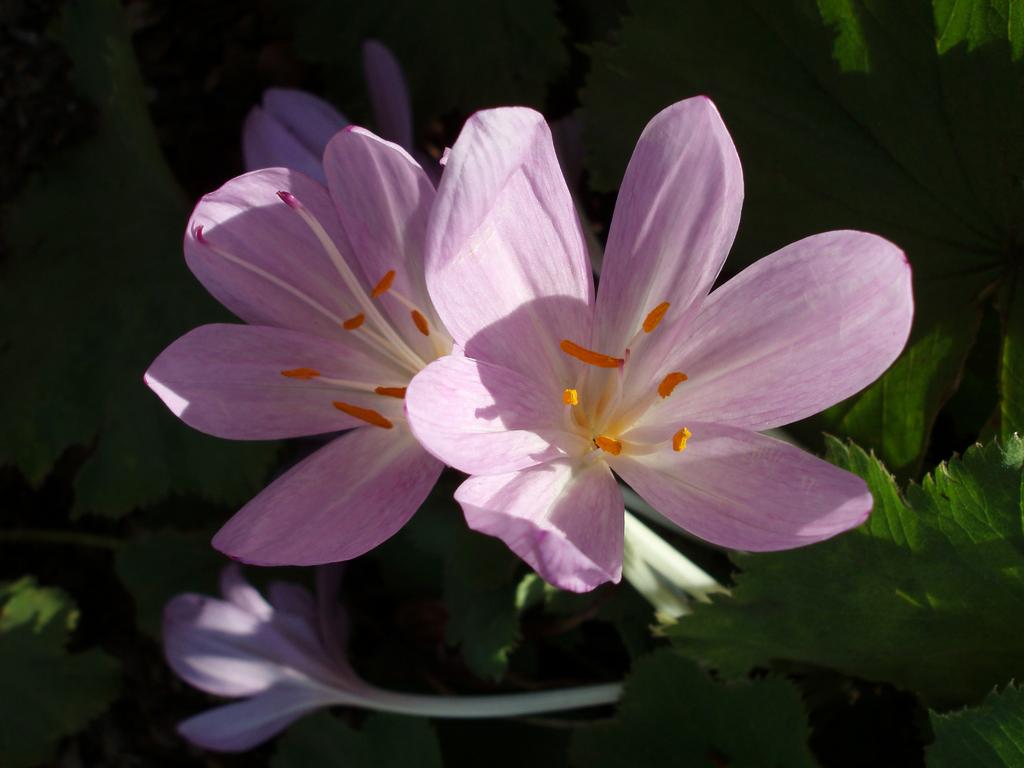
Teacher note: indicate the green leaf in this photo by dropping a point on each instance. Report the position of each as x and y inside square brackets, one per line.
[323, 741]
[849, 114]
[674, 714]
[926, 594]
[157, 566]
[1011, 364]
[480, 593]
[94, 287]
[461, 55]
[47, 693]
[988, 736]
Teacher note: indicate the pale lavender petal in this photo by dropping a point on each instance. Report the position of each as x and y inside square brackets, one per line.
[388, 93]
[383, 201]
[242, 725]
[227, 380]
[484, 419]
[563, 518]
[742, 490]
[260, 259]
[675, 219]
[287, 597]
[344, 500]
[267, 143]
[794, 333]
[226, 650]
[290, 131]
[221, 648]
[237, 590]
[507, 264]
[331, 619]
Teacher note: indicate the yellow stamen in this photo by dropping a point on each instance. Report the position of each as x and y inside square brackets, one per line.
[385, 282]
[398, 392]
[655, 316]
[301, 373]
[570, 397]
[679, 439]
[353, 322]
[368, 415]
[421, 322]
[590, 357]
[670, 382]
[608, 444]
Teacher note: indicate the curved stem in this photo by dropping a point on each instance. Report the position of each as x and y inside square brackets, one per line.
[497, 705]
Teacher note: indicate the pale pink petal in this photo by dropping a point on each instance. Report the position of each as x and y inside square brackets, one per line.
[507, 264]
[388, 93]
[675, 219]
[563, 518]
[260, 259]
[242, 725]
[344, 500]
[290, 130]
[742, 490]
[794, 333]
[484, 419]
[227, 380]
[383, 201]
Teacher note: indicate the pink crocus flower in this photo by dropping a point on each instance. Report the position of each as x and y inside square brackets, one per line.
[284, 657]
[656, 380]
[331, 283]
[291, 128]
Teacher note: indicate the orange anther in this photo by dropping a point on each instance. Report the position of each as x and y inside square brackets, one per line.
[368, 415]
[679, 439]
[655, 316]
[570, 397]
[608, 444]
[590, 357]
[353, 322]
[670, 382]
[421, 322]
[385, 282]
[398, 392]
[301, 373]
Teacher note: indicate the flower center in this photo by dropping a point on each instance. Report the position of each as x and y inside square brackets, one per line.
[606, 418]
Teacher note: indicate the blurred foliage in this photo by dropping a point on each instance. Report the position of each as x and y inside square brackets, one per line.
[456, 55]
[925, 595]
[899, 118]
[894, 118]
[383, 741]
[48, 693]
[155, 567]
[988, 736]
[674, 714]
[480, 595]
[94, 287]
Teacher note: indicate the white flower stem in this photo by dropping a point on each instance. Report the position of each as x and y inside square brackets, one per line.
[496, 705]
[666, 578]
